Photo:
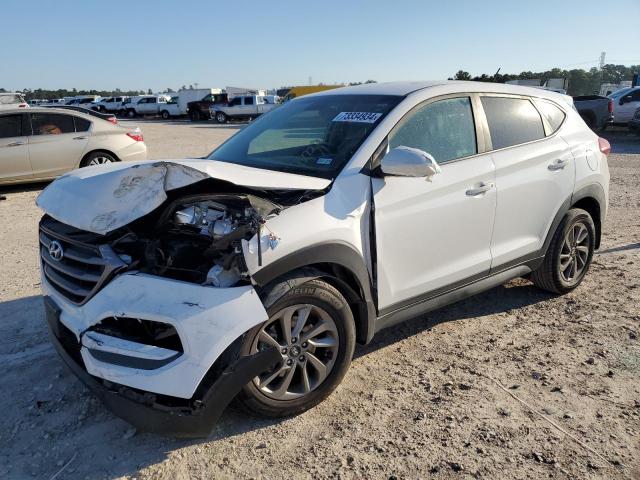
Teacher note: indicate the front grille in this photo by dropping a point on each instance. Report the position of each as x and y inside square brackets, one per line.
[83, 269]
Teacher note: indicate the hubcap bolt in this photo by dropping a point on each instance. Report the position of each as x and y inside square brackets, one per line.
[284, 351]
[294, 340]
[289, 362]
[301, 358]
[305, 345]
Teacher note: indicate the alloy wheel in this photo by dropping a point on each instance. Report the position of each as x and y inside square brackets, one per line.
[99, 160]
[307, 338]
[574, 253]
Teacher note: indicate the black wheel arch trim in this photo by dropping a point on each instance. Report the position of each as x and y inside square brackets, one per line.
[595, 191]
[276, 278]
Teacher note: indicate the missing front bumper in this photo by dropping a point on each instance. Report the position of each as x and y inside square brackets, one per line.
[137, 409]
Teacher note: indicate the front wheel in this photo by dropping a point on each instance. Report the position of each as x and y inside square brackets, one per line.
[313, 328]
[165, 115]
[569, 255]
[131, 113]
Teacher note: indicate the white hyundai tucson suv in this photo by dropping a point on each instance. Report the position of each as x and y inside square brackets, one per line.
[173, 287]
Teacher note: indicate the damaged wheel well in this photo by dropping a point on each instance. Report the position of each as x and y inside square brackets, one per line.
[341, 278]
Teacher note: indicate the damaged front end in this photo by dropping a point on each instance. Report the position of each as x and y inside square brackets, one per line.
[148, 311]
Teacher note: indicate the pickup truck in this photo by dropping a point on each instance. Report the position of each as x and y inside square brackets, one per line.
[200, 109]
[243, 108]
[595, 110]
[146, 105]
[110, 104]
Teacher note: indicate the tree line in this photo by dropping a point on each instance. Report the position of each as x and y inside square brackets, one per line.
[581, 82]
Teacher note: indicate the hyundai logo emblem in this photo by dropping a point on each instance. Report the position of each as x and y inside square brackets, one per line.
[56, 251]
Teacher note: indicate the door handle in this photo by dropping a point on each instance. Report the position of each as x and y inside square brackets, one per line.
[558, 164]
[80, 138]
[15, 144]
[483, 188]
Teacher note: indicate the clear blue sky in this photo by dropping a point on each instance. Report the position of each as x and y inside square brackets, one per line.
[143, 44]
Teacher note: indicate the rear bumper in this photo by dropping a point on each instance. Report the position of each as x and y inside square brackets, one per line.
[145, 411]
[135, 151]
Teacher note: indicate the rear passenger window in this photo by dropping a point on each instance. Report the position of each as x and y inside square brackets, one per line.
[552, 114]
[248, 100]
[10, 126]
[444, 128]
[82, 125]
[51, 123]
[512, 121]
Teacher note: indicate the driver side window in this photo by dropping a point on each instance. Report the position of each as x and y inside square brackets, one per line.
[444, 128]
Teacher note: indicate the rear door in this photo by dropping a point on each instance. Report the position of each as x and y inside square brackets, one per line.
[535, 174]
[14, 148]
[54, 146]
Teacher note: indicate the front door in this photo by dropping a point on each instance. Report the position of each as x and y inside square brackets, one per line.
[431, 235]
[631, 102]
[14, 149]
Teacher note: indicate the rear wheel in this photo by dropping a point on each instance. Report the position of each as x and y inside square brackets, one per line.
[569, 255]
[313, 328]
[131, 113]
[165, 115]
[97, 158]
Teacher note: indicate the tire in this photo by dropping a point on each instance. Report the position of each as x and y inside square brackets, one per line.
[194, 115]
[131, 113]
[324, 306]
[165, 115]
[221, 117]
[97, 158]
[551, 275]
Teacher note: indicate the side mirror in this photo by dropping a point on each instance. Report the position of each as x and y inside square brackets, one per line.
[409, 162]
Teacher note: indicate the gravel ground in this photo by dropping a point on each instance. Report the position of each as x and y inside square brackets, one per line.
[511, 383]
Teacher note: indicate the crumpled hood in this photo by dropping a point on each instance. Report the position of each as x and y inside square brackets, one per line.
[103, 198]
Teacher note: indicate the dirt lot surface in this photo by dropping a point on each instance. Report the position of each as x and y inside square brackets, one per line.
[513, 383]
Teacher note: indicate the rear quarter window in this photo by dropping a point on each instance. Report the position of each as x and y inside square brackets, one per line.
[553, 115]
[82, 124]
[512, 121]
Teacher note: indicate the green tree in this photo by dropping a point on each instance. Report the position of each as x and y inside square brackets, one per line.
[462, 75]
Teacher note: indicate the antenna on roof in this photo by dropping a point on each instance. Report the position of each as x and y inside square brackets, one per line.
[496, 74]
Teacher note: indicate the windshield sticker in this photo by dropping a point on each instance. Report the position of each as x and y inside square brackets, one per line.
[324, 161]
[360, 117]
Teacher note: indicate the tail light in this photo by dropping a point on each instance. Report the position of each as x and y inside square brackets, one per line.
[113, 120]
[23, 105]
[604, 145]
[610, 106]
[137, 136]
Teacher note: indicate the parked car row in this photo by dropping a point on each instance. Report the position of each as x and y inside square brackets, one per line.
[619, 108]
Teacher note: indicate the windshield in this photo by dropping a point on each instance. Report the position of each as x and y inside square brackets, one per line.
[313, 136]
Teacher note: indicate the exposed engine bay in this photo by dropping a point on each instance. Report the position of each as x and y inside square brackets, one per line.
[197, 238]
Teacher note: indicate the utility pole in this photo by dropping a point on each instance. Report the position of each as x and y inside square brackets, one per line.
[602, 57]
[310, 80]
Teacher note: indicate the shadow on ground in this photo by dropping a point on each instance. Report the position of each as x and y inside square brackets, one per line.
[109, 434]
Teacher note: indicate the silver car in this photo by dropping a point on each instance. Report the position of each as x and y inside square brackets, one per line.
[43, 143]
[9, 100]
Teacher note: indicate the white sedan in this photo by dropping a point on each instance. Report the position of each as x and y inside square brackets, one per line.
[43, 143]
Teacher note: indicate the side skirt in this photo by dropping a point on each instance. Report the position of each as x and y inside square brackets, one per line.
[421, 306]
